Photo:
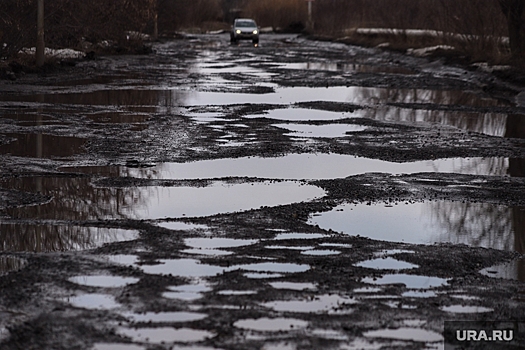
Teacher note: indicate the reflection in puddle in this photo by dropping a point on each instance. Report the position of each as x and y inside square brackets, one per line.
[118, 117]
[320, 252]
[319, 303]
[43, 146]
[345, 68]
[303, 166]
[476, 224]
[513, 270]
[50, 238]
[386, 264]
[410, 281]
[103, 281]
[183, 268]
[330, 130]
[273, 267]
[406, 333]
[303, 114]
[77, 199]
[271, 324]
[283, 236]
[11, 263]
[364, 96]
[465, 309]
[164, 317]
[183, 226]
[93, 301]
[257, 275]
[293, 285]
[165, 335]
[237, 292]
[116, 346]
[419, 294]
[188, 292]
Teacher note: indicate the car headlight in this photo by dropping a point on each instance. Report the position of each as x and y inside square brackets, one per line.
[238, 31]
[255, 32]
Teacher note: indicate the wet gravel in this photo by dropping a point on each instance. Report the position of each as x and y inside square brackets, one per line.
[199, 98]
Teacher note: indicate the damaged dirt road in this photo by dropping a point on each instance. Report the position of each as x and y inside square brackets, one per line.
[295, 195]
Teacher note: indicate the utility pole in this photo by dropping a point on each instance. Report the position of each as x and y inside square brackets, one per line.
[40, 45]
[310, 24]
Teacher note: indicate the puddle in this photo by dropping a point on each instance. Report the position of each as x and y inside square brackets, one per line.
[345, 68]
[273, 267]
[77, 199]
[237, 292]
[183, 268]
[386, 264]
[11, 263]
[116, 346]
[364, 96]
[321, 252]
[513, 270]
[303, 166]
[410, 281]
[367, 290]
[271, 324]
[182, 226]
[256, 275]
[406, 333]
[302, 114]
[283, 236]
[493, 124]
[465, 309]
[289, 247]
[43, 146]
[329, 130]
[329, 334]
[165, 335]
[317, 304]
[188, 292]
[93, 301]
[165, 317]
[208, 252]
[475, 224]
[103, 281]
[419, 294]
[21, 237]
[217, 242]
[293, 285]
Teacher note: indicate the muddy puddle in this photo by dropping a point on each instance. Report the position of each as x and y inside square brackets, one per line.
[302, 166]
[41, 145]
[78, 199]
[475, 224]
[34, 237]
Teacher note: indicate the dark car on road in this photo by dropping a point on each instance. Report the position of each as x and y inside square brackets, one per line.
[244, 29]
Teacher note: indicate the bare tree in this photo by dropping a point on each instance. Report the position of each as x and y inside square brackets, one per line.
[514, 12]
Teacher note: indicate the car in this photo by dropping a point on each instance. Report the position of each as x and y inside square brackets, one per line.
[244, 29]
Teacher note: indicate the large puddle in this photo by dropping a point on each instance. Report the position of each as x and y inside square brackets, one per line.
[363, 96]
[302, 166]
[77, 199]
[42, 146]
[475, 224]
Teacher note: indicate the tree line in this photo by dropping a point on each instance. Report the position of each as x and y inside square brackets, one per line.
[79, 24]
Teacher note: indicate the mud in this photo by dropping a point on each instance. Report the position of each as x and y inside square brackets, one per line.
[294, 195]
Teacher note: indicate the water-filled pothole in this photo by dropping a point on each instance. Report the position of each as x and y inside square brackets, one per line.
[317, 304]
[103, 281]
[476, 224]
[293, 285]
[162, 335]
[50, 238]
[77, 199]
[301, 166]
[466, 309]
[410, 281]
[512, 270]
[406, 333]
[271, 324]
[386, 264]
[43, 146]
[165, 317]
[328, 131]
[93, 301]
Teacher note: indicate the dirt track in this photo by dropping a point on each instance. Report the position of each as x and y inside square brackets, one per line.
[295, 195]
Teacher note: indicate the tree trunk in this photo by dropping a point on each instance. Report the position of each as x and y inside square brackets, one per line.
[514, 11]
